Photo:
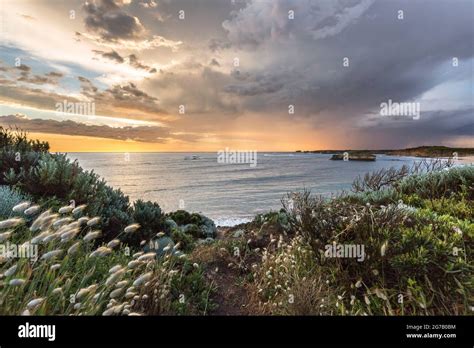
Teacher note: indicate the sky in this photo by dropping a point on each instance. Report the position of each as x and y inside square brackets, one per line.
[205, 75]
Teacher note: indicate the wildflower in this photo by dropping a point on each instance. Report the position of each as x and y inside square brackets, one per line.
[52, 254]
[113, 243]
[55, 267]
[73, 248]
[20, 208]
[91, 236]
[11, 271]
[79, 209]
[5, 235]
[65, 210]
[13, 222]
[142, 279]
[35, 303]
[93, 221]
[131, 228]
[32, 210]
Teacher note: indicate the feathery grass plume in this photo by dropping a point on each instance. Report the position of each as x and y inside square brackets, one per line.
[10, 223]
[79, 209]
[113, 243]
[60, 222]
[9, 272]
[147, 256]
[50, 237]
[17, 282]
[383, 248]
[55, 267]
[33, 304]
[138, 254]
[121, 284]
[142, 279]
[83, 220]
[36, 225]
[115, 269]
[32, 210]
[25, 313]
[100, 252]
[74, 248]
[134, 263]
[92, 235]
[66, 210]
[160, 234]
[57, 291]
[134, 314]
[116, 293]
[48, 221]
[67, 236]
[5, 235]
[131, 228]
[94, 221]
[82, 293]
[20, 208]
[39, 238]
[114, 277]
[52, 254]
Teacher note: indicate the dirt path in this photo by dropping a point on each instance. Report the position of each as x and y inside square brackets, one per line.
[231, 295]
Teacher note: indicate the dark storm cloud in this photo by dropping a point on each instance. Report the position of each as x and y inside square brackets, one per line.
[142, 133]
[389, 58]
[108, 19]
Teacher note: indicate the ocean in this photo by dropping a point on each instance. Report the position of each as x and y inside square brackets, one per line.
[227, 193]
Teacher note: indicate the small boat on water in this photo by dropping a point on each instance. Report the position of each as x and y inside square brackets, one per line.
[193, 157]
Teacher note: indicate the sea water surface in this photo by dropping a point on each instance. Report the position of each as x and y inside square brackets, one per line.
[227, 193]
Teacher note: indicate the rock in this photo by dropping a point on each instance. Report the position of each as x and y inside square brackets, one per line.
[206, 241]
[158, 245]
[354, 157]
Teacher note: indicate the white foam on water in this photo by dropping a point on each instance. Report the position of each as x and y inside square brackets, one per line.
[231, 221]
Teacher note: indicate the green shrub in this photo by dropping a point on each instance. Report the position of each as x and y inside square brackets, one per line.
[8, 199]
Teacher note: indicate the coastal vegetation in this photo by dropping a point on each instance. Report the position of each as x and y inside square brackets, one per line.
[96, 253]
